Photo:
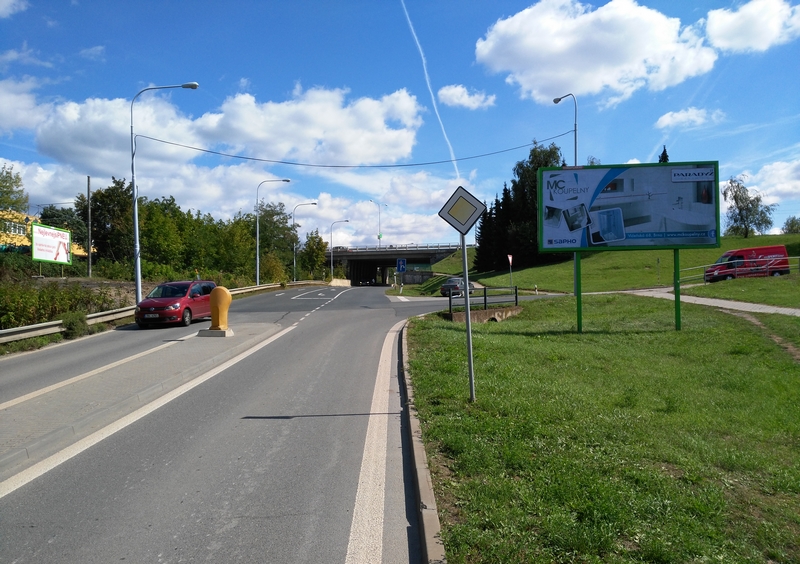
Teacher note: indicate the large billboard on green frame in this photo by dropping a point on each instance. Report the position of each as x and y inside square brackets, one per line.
[624, 207]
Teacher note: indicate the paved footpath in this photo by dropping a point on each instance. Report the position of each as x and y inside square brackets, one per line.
[666, 293]
[37, 425]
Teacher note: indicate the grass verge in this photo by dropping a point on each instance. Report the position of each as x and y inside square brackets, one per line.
[631, 442]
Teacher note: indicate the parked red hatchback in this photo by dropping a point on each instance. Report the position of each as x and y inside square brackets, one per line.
[175, 302]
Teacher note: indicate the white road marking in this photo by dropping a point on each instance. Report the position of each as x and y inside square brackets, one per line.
[366, 531]
[44, 466]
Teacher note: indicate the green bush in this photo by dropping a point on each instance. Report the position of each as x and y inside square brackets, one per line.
[75, 324]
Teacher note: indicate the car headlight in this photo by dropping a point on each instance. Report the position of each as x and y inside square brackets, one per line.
[138, 309]
[173, 306]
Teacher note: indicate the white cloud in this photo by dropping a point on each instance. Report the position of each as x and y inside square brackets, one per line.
[613, 50]
[690, 117]
[93, 138]
[96, 53]
[23, 56]
[777, 181]
[9, 7]
[459, 96]
[755, 26]
[318, 126]
[18, 106]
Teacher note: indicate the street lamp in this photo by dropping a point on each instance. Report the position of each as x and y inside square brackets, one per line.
[332, 224]
[137, 265]
[379, 220]
[294, 245]
[575, 130]
[576, 257]
[258, 239]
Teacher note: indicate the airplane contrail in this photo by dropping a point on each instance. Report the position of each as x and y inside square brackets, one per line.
[428, 81]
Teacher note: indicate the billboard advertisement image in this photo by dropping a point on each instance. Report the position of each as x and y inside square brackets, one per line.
[50, 244]
[622, 207]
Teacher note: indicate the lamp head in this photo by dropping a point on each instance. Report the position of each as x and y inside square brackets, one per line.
[192, 85]
[557, 100]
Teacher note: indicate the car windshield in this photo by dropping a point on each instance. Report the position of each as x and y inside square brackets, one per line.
[168, 291]
[454, 281]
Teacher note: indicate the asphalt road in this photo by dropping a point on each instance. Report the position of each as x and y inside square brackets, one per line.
[263, 462]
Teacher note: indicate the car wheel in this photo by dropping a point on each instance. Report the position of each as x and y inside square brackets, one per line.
[729, 277]
[186, 318]
[142, 325]
[776, 273]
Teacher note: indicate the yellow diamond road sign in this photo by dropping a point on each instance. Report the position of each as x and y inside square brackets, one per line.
[462, 210]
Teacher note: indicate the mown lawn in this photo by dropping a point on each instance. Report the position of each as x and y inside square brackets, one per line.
[630, 442]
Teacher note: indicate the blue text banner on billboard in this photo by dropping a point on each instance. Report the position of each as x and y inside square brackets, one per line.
[622, 207]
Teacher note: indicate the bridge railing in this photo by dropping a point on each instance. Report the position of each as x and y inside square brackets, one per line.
[403, 247]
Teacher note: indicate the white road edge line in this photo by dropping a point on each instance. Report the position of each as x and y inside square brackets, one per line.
[44, 466]
[366, 531]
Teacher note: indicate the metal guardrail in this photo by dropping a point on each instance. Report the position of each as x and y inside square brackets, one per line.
[53, 327]
[486, 296]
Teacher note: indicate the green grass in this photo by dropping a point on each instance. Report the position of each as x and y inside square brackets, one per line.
[623, 270]
[631, 442]
[781, 291]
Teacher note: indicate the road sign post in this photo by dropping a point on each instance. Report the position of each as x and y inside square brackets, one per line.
[462, 211]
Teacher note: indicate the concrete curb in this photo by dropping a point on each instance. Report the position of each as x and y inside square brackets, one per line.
[430, 528]
[53, 441]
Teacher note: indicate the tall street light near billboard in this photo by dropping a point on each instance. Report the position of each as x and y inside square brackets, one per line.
[137, 264]
[576, 257]
[332, 224]
[258, 238]
[294, 245]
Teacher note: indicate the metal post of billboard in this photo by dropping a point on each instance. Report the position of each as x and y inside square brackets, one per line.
[676, 287]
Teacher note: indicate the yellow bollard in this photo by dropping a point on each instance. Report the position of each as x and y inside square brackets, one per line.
[220, 302]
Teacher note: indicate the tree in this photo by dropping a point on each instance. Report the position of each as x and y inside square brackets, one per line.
[792, 225]
[65, 218]
[112, 220]
[12, 194]
[509, 226]
[663, 157]
[312, 257]
[747, 214]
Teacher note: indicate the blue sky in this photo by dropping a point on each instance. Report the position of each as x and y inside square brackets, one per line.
[344, 83]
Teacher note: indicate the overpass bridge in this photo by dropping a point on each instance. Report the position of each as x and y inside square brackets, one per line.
[367, 263]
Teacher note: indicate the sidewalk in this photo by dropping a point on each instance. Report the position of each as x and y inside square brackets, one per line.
[666, 294]
[40, 424]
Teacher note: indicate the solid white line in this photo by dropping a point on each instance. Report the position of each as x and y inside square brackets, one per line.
[80, 377]
[366, 532]
[75, 449]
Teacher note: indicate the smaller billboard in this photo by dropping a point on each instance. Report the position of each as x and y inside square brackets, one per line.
[50, 244]
[620, 207]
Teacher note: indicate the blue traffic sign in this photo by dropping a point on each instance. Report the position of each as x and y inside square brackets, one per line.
[401, 265]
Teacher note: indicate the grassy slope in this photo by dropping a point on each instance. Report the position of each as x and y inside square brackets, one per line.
[618, 270]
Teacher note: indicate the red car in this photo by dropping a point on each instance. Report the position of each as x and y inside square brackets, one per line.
[175, 302]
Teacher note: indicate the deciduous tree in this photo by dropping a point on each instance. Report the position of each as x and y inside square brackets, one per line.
[747, 214]
[12, 193]
[791, 225]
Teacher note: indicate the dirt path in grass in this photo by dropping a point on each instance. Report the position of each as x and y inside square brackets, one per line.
[788, 347]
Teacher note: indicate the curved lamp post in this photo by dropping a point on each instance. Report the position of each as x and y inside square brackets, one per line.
[137, 265]
[294, 246]
[380, 235]
[576, 257]
[332, 224]
[258, 239]
[575, 130]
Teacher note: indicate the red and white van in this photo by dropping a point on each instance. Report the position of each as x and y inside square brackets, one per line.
[743, 263]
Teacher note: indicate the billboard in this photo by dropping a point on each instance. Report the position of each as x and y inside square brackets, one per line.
[624, 207]
[50, 244]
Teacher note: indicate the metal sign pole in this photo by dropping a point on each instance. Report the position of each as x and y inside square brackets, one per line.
[468, 320]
